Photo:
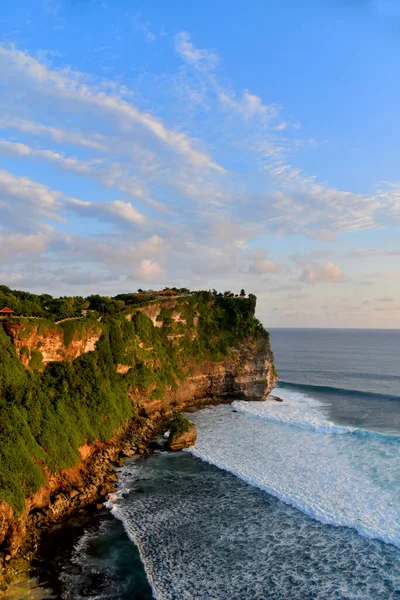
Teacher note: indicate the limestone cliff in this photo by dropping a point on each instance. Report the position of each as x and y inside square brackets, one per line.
[39, 342]
[247, 373]
[164, 356]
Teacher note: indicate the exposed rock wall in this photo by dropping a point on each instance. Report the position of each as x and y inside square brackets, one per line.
[248, 374]
[49, 340]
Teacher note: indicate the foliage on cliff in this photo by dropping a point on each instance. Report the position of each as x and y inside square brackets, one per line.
[179, 424]
[45, 416]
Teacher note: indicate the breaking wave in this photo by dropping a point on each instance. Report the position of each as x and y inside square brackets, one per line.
[327, 389]
[350, 480]
[304, 412]
[203, 533]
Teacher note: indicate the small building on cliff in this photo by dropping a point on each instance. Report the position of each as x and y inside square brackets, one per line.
[6, 312]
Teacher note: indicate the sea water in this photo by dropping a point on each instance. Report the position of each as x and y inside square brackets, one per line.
[292, 500]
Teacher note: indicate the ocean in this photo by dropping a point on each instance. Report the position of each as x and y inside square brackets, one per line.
[291, 500]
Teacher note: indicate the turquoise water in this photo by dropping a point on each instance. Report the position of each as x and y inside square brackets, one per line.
[298, 500]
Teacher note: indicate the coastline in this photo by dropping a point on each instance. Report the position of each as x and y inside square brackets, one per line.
[132, 404]
[142, 437]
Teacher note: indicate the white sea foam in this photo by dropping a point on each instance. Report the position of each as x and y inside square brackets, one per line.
[203, 534]
[111, 501]
[298, 410]
[342, 480]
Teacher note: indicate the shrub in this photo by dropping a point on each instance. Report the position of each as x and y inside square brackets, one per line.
[179, 424]
[36, 362]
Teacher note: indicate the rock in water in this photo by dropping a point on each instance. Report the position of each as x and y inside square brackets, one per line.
[179, 440]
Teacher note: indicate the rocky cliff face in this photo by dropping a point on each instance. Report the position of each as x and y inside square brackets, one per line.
[247, 372]
[46, 342]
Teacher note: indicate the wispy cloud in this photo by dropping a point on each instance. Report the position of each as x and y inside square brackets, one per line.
[140, 25]
[117, 209]
[95, 140]
[195, 56]
[248, 106]
[73, 88]
[26, 204]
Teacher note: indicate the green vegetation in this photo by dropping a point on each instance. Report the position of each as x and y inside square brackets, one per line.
[43, 305]
[179, 424]
[36, 362]
[47, 413]
[76, 329]
[44, 417]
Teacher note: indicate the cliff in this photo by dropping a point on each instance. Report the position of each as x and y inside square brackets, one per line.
[103, 388]
[39, 342]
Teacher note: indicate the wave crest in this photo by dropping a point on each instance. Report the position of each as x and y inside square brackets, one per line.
[334, 390]
[311, 421]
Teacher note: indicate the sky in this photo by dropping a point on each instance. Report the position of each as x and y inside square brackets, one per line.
[205, 144]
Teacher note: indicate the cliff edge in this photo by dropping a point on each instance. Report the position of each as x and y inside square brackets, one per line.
[74, 398]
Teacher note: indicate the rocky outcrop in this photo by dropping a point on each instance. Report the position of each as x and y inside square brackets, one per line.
[182, 439]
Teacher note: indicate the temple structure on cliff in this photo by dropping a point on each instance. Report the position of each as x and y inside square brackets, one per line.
[6, 312]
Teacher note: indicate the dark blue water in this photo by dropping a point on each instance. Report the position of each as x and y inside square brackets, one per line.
[355, 372]
[298, 500]
[366, 360]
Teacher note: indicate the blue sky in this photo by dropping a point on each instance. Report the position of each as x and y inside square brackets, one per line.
[209, 144]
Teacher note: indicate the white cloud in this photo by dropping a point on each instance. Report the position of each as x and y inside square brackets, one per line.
[71, 163]
[71, 87]
[191, 54]
[260, 264]
[148, 270]
[95, 140]
[321, 273]
[298, 203]
[305, 206]
[27, 204]
[112, 175]
[23, 202]
[323, 234]
[153, 246]
[250, 105]
[205, 61]
[15, 244]
[122, 211]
